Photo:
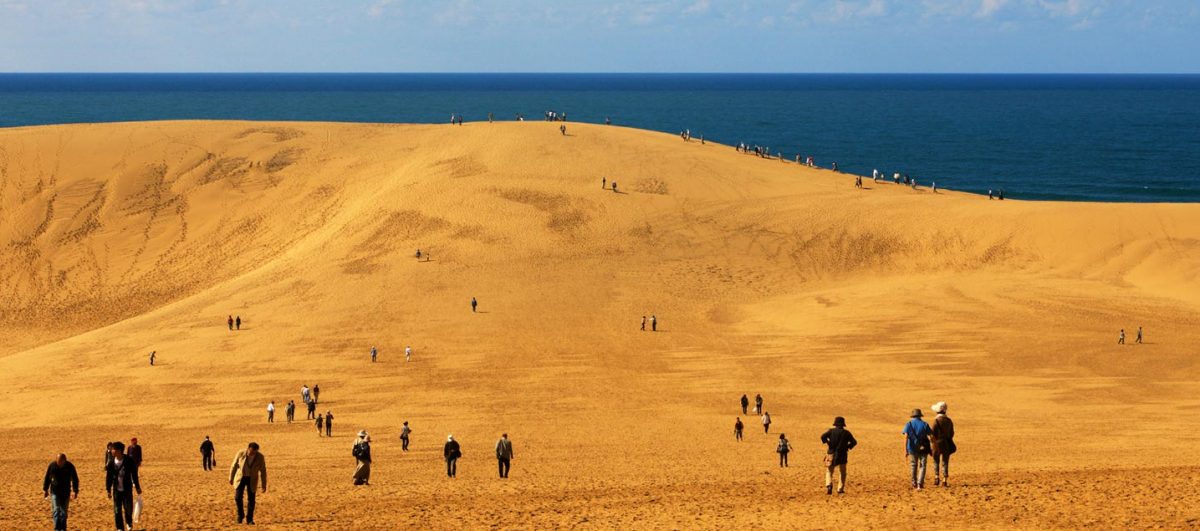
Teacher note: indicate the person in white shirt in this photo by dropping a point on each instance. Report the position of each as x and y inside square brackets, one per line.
[766, 421]
[271, 412]
[408, 353]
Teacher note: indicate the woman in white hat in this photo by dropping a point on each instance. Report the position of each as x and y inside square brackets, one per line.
[941, 441]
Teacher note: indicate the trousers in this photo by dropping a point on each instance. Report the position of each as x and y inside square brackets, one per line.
[505, 464]
[123, 508]
[841, 478]
[917, 465]
[244, 488]
[58, 510]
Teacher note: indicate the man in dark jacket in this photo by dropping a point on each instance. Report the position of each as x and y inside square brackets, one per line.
[135, 451]
[58, 485]
[839, 441]
[121, 482]
[451, 452]
[207, 453]
[745, 404]
[504, 454]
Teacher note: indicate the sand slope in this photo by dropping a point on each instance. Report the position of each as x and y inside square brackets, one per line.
[767, 277]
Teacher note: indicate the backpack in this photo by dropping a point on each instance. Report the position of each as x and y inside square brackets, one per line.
[357, 451]
[783, 446]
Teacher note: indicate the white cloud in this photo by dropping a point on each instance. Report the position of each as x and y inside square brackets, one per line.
[987, 8]
[699, 7]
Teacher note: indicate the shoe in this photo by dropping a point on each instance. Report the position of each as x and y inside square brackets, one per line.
[249, 522]
[829, 490]
[240, 520]
[841, 491]
[937, 481]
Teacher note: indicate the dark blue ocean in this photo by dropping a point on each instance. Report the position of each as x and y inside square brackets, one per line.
[1072, 137]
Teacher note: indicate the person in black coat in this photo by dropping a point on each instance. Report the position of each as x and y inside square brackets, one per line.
[121, 481]
[839, 441]
[451, 452]
[745, 404]
[207, 453]
[61, 479]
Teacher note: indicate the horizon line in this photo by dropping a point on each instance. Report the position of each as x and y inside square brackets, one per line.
[629, 73]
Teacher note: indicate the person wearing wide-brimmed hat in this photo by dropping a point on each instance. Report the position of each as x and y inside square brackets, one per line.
[362, 454]
[916, 447]
[839, 441]
[942, 443]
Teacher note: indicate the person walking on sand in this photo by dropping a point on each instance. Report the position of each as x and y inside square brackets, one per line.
[474, 304]
[418, 255]
[451, 452]
[745, 403]
[504, 455]
[1121, 338]
[248, 472]
[208, 454]
[305, 395]
[374, 354]
[603, 183]
[737, 428]
[783, 448]
[408, 353]
[1138, 340]
[152, 354]
[312, 409]
[766, 422]
[643, 323]
[405, 431]
[316, 392]
[238, 322]
[121, 482]
[362, 455]
[614, 187]
[839, 441]
[562, 129]
[230, 321]
[917, 447]
[320, 424]
[135, 451]
[329, 424]
[941, 439]
[291, 411]
[758, 409]
[271, 412]
[653, 323]
[60, 482]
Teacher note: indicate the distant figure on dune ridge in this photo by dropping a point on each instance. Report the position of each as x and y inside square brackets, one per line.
[208, 454]
[249, 469]
[917, 447]
[607, 121]
[941, 438]
[614, 187]
[643, 323]
[782, 449]
[737, 428]
[504, 455]
[271, 412]
[408, 353]
[316, 392]
[839, 441]
[230, 321]
[134, 451]
[238, 322]
[290, 409]
[474, 304]
[745, 403]
[362, 457]
[758, 409]
[990, 195]
[418, 255]
[329, 424]
[451, 452]
[834, 168]
[374, 354]
[766, 422]
[603, 183]
[312, 409]
[121, 481]
[405, 432]
[1121, 337]
[152, 354]
[562, 129]
[60, 481]
[1139, 336]
[653, 323]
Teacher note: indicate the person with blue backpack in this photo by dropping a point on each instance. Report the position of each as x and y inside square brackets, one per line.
[917, 447]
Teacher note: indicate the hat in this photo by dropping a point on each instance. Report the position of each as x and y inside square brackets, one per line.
[916, 414]
[939, 407]
[839, 422]
[449, 437]
[362, 434]
[133, 440]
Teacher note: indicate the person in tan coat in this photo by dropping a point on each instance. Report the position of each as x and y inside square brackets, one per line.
[248, 470]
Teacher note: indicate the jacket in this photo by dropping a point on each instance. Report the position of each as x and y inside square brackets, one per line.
[451, 450]
[206, 447]
[254, 469]
[504, 449]
[943, 435]
[135, 451]
[61, 480]
[840, 441]
[122, 477]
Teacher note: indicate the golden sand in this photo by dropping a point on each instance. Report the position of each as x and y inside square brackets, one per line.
[767, 277]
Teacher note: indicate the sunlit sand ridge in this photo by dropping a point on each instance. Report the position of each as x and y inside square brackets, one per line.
[766, 277]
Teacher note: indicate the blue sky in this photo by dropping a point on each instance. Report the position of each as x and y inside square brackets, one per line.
[600, 36]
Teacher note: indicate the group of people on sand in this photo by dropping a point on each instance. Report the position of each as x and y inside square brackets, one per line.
[653, 323]
[235, 323]
[921, 441]
[1136, 341]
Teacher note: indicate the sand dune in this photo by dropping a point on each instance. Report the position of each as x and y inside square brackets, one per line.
[767, 277]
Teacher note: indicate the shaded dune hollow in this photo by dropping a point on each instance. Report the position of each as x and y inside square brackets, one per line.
[764, 276]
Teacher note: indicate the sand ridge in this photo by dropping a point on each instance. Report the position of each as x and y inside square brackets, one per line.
[767, 277]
